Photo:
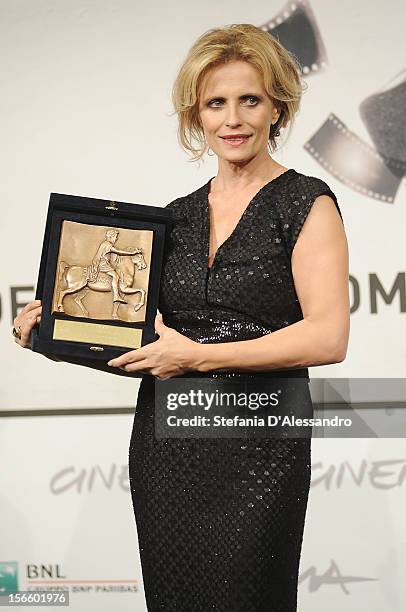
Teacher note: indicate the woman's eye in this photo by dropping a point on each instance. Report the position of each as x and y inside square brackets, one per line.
[254, 98]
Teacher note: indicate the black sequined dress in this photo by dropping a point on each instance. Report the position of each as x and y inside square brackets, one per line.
[220, 521]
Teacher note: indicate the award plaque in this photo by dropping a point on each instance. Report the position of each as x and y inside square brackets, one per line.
[99, 278]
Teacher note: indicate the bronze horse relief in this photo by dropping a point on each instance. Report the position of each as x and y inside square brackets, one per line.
[112, 270]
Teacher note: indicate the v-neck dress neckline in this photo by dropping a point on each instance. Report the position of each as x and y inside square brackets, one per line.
[241, 223]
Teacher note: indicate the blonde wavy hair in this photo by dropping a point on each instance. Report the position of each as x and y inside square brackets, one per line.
[280, 70]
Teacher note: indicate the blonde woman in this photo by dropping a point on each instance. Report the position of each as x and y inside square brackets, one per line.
[255, 283]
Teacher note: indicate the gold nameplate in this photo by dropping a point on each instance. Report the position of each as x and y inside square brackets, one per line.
[110, 335]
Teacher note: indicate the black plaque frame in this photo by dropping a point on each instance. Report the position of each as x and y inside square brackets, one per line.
[108, 213]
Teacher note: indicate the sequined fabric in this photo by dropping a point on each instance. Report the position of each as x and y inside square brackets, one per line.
[220, 521]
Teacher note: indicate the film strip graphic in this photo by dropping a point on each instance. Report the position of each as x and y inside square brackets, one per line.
[355, 163]
[376, 170]
[384, 116]
[296, 28]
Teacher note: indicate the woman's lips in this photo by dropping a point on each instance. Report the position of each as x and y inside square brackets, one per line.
[236, 142]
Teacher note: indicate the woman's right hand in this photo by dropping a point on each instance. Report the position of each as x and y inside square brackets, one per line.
[29, 316]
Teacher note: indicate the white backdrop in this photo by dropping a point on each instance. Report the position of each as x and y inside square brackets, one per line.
[85, 110]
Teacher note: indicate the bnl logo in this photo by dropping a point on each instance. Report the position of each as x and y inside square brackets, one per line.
[8, 577]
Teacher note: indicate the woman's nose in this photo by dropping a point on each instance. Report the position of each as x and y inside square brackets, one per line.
[233, 117]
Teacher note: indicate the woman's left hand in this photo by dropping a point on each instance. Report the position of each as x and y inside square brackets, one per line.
[172, 354]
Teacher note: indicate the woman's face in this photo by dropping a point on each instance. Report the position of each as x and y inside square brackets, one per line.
[233, 101]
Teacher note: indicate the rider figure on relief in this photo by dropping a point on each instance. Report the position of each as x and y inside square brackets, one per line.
[104, 260]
